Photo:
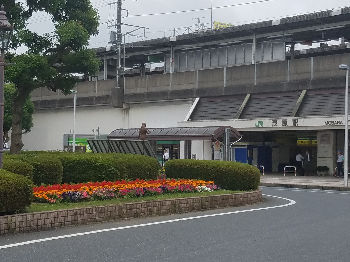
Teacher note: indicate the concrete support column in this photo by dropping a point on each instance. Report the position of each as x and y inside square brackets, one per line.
[254, 59]
[326, 149]
[312, 68]
[182, 149]
[105, 69]
[225, 77]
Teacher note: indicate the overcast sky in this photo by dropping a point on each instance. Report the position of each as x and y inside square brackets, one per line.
[163, 25]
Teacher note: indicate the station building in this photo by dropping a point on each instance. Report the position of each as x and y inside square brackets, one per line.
[277, 82]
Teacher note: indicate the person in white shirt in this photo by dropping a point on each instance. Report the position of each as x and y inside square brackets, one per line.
[299, 164]
[166, 155]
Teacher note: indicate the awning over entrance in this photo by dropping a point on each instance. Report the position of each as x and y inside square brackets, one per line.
[177, 133]
[122, 146]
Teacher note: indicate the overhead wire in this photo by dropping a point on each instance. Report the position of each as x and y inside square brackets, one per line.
[200, 9]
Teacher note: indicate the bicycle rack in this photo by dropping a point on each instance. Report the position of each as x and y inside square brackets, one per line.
[262, 169]
[294, 167]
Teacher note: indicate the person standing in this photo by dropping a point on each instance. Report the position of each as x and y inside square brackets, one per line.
[166, 155]
[143, 132]
[340, 164]
[299, 164]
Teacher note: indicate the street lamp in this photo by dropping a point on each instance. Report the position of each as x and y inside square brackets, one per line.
[5, 36]
[346, 143]
[74, 113]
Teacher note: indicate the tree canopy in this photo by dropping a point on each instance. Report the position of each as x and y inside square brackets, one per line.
[51, 59]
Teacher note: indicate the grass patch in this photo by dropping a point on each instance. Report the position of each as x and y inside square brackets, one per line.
[41, 207]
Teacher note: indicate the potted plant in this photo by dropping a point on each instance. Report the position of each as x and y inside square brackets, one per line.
[322, 170]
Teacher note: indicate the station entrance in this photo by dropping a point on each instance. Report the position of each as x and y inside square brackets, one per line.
[275, 150]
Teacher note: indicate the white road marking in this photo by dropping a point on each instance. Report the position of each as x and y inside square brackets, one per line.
[298, 190]
[290, 203]
[315, 191]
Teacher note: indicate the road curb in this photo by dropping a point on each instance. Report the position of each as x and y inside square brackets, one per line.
[304, 186]
[40, 221]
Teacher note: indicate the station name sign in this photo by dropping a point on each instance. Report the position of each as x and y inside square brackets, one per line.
[334, 123]
[298, 122]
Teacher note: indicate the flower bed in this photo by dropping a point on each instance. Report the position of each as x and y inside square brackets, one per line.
[118, 189]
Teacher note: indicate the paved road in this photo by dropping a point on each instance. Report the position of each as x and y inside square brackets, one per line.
[313, 228]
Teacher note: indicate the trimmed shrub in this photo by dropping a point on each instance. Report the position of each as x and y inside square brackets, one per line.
[18, 167]
[85, 167]
[227, 175]
[80, 167]
[16, 192]
[133, 167]
[48, 169]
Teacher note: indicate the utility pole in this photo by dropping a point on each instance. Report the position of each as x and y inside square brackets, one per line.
[119, 40]
[211, 15]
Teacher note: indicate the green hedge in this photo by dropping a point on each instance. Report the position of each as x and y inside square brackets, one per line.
[18, 167]
[85, 167]
[47, 168]
[133, 167]
[16, 192]
[227, 175]
[82, 167]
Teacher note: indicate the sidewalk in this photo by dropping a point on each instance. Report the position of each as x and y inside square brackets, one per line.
[311, 182]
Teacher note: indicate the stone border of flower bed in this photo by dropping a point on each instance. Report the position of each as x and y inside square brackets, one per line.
[55, 219]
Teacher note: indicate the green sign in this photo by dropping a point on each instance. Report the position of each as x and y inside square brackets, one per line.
[175, 142]
[80, 142]
[259, 124]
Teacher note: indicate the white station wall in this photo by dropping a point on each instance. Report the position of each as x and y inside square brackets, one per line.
[50, 126]
[202, 149]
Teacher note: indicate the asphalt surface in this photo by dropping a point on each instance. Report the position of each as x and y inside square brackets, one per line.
[312, 225]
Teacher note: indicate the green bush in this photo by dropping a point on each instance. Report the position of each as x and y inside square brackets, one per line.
[85, 167]
[80, 167]
[227, 175]
[18, 167]
[48, 169]
[133, 167]
[16, 192]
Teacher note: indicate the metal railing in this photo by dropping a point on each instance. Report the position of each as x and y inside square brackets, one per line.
[288, 167]
[261, 168]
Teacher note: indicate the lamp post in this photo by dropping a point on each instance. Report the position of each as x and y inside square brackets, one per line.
[74, 114]
[5, 35]
[346, 143]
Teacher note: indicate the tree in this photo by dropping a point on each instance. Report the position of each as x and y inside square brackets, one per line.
[52, 59]
[27, 116]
